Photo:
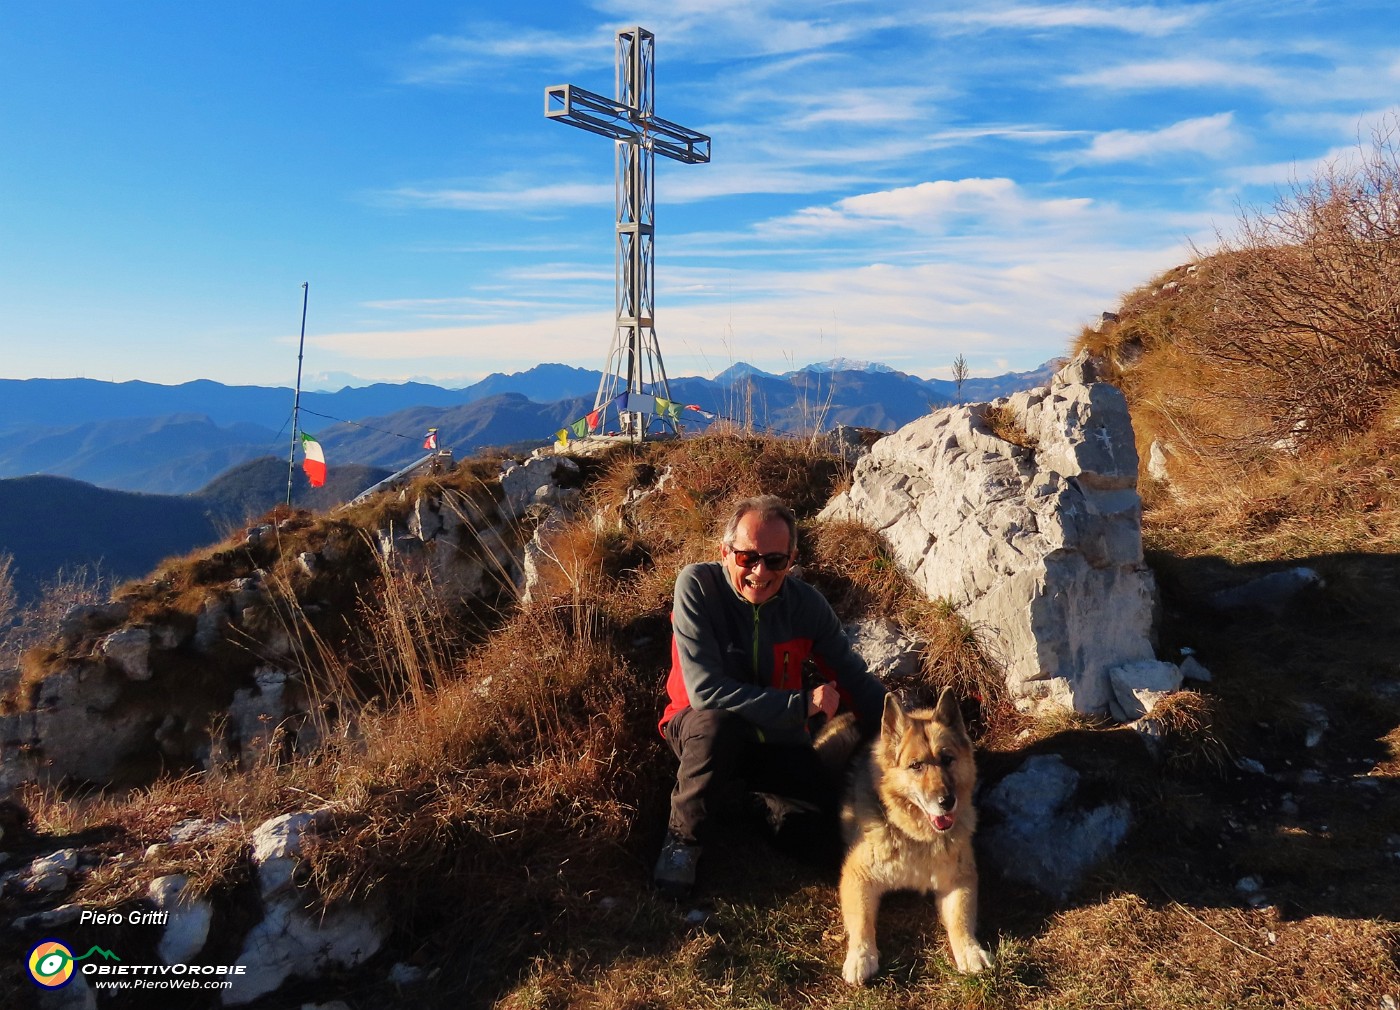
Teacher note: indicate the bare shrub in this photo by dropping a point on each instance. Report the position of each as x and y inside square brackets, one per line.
[1306, 326]
[23, 626]
[9, 603]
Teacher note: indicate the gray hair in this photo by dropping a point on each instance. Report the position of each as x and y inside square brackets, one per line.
[769, 507]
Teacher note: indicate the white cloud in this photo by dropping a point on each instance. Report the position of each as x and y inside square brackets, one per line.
[1020, 309]
[1178, 73]
[929, 207]
[1212, 136]
[448, 59]
[1136, 20]
[564, 194]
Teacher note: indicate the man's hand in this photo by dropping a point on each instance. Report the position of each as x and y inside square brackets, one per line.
[824, 698]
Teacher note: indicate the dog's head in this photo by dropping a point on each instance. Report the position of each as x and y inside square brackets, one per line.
[928, 771]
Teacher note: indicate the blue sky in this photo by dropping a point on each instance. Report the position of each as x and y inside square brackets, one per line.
[895, 181]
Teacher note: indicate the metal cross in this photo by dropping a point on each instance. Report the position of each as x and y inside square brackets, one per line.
[629, 120]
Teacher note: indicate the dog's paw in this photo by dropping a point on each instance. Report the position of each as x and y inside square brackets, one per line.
[971, 959]
[860, 965]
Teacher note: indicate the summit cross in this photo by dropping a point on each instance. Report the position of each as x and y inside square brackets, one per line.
[634, 358]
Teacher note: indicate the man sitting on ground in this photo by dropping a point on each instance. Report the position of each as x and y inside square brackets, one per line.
[737, 708]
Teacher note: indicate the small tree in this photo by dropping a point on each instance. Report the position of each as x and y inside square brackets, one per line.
[959, 375]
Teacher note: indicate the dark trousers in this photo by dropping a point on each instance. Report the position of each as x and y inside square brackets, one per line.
[721, 758]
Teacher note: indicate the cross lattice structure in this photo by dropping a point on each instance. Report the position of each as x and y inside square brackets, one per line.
[634, 358]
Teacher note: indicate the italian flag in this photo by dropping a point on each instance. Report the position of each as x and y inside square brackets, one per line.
[314, 462]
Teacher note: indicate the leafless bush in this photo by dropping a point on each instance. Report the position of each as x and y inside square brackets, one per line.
[8, 598]
[1306, 327]
[28, 624]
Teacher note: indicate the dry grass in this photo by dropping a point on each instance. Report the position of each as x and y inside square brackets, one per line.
[1002, 422]
[504, 795]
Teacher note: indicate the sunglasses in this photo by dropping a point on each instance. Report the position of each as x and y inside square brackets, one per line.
[774, 562]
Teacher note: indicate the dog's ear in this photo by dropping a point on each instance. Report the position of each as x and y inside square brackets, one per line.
[892, 721]
[948, 713]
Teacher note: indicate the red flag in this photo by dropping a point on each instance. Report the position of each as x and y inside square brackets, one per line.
[430, 439]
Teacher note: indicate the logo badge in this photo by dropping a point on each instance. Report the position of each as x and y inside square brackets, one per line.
[51, 964]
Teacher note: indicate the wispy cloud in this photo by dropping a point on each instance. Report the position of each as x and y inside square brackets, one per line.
[522, 198]
[1212, 136]
[916, 317]
[1169, 74]
[449, 59]
[927, 207]
[1137, 20]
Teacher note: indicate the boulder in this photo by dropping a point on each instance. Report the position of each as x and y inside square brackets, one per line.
[1269, 594]
[541, 479]
[81, 730]
[537, 556]
[1037, 542]
[1157, 457]
[851, 443]
[212, 622]
[255, 712]
[290, 940]
[1038, 835]
[1138, 687]
[276, 849]
[888, 653]
[187, 919]
[129, 650]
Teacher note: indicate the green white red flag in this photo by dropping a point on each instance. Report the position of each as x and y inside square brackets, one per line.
[313, 461]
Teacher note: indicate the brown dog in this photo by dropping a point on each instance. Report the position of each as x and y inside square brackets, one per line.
[908, 822]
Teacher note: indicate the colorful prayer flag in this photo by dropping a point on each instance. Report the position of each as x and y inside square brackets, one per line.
[561, 438]
[579, 428]
[313, 460]
[430, 439]
[594, 419]
[708, 415]
[669, 409]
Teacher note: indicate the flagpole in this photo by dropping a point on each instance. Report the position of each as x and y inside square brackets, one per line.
[296, 401]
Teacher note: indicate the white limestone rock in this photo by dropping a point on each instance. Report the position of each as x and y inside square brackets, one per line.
[1157, 457]
[1138, 687]
[187, 921]
[887, 651]
[290, 941]
[539, 480]
[276, 849]
[1040, 548]
[1040, 836]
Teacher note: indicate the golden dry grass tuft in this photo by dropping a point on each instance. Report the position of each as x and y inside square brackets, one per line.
[1002, 422]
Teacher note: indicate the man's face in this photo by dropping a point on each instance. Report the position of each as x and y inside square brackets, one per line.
[758, 584]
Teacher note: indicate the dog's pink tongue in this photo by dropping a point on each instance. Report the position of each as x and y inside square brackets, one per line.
[942, 822]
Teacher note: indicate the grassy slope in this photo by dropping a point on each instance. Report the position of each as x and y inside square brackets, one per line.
[512, 828]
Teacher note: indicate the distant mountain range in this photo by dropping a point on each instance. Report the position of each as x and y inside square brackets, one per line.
[180, 465]
[141, 436]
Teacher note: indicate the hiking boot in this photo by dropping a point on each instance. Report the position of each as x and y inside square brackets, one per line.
[674, 875]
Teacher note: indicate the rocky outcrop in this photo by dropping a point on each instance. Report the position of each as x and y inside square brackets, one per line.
[121, 696]
[1024, 513]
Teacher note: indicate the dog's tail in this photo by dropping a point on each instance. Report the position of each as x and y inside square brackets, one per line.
[836, 741]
